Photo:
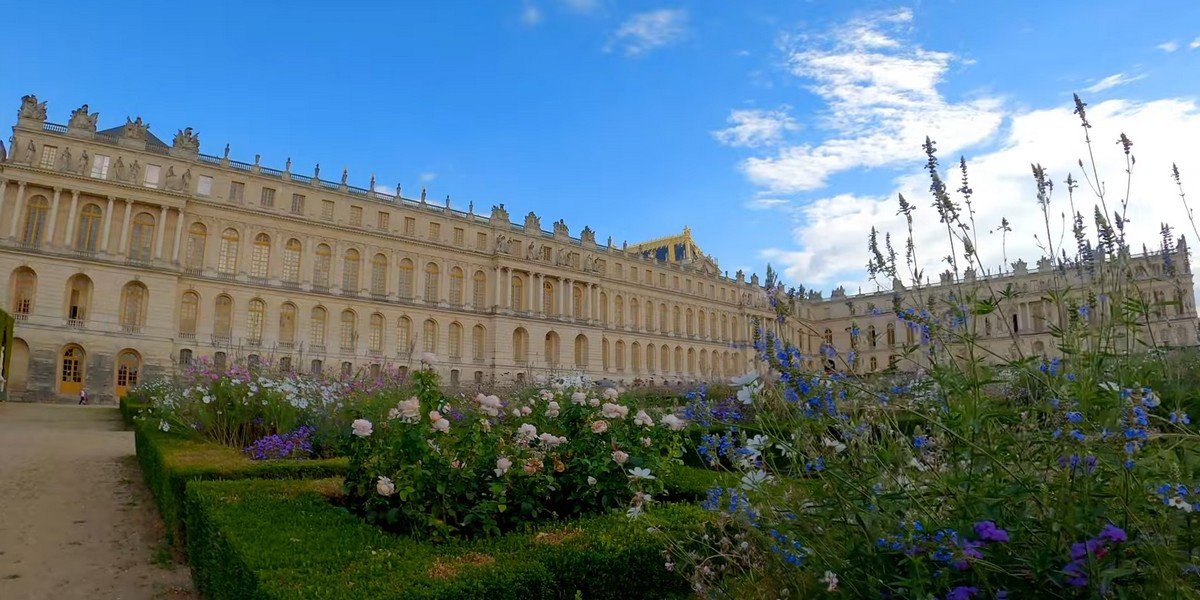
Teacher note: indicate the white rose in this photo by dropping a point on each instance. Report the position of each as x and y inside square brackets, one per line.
[384, 486]
[502, 466]
[362, 427]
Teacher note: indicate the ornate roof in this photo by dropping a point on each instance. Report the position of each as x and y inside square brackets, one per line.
[678, 248]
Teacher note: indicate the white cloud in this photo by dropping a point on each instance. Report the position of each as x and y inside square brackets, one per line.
[882, 99]
[763, 203]
[646, 31]
[1195, 44]
[830, 237]
[428, 176]
[531, 15]
[581, 6]
[1112, 81]
[755, 127]
[1168, 47]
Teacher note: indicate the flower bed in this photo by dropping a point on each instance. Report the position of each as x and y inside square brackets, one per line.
[314, 549]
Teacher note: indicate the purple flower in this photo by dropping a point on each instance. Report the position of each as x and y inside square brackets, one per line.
[988, 532]
[962, 592]
[1076, 576]
[1113, 534]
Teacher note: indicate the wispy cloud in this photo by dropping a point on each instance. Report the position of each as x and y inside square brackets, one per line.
[1195, 44]
[1112, 81]
[750, 128]
[581, 6]
[531, 15]
[428, 176]
[881, 95]
[1168, 47]
[647, 31]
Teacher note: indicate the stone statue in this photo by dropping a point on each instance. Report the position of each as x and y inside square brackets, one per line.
[135, 130]
[135, 172]
[501, 240]
[345, 176]
[499, 214]
[3, 157]
[422, 195]
[529, 252]
[186, 139]
[257, 160]
[560, 227]
[562, 256]
[186, 179]
[119, 171]
[30, 152]
[398, 189]
[32, 109]
[371, 187]
[532, 222]
[317, 173]
[287, 166]
[447, 200]
[226, 151]
[64, 159]
[470, 205]
[81, 165]
[171, 181]
[82, 119]
[610, 241]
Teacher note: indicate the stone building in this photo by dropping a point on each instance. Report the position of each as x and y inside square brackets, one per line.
[123, 257]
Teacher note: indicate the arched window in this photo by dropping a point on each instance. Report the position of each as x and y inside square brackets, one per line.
[549, 306]
[223, 317]
[874, 363]
[406, 279]
[663, 324]
[891, 334]
[375, 333]
[690, 330]
[133, 307]
[24, 288]
[228, 255]
[581, 351]
[700, 323]
[518, 293]
[620, 355]
[724, 328]
[260, 256]
[316, 367]
[704, 362]
[664, 355]
[197, 236]
[350, 262]
[431, 283]
[479, 293]
[379, 269]
[316, 327]
[520, 345]
[551, 349]
[79, 299]
[603, 309]
[829, 336]
[871, 338]
[128, 366]
[185, 357]
[635, 316]
[678, 359]
[254, 321]
[651, 357]
[691, 361]
[189, 313]
[404, 345]
[619, 312]
[604, 353]
[348, 337]
[71, 374]
[291, 260]
[456, 286]
[219, 359]
[287, 325]
[455, 341]
[35, 221]
[87, 237]
[478, 341]
[635, 357]
[577, 302]
[141, 241]
[676, 323]
[650, 312]
[322, 262]
[430, 333]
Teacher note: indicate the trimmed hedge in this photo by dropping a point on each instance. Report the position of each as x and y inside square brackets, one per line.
[284, 540]
[170, 462]
[130, 409]
[691, 484]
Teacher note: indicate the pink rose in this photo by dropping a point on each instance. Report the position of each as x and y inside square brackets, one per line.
[620, 456]
[599, 426]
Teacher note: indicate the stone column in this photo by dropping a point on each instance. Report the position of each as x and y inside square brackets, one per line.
[16, 214]
[125, 225]
[587, 301]
[496, 288]
[530, 293]
[107, 225]
[178, 235]
[53, 220]
[568, 310]
[158, 232]
[68, 241]
[3, 186]
[508, 288]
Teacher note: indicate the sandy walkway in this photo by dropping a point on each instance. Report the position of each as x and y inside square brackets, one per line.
[76, 519]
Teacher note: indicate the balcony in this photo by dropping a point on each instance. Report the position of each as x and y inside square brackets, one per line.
[187, 335]
[131, 328]
[76, 323]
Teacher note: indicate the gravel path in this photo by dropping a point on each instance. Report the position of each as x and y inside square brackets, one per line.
[76, 519]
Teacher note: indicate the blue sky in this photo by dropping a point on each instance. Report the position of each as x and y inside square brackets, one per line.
[777, 131]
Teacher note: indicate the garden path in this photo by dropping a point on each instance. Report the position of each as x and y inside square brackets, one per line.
[76, 519]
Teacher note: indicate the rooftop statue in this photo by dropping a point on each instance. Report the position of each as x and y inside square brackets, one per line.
[135, 129]
[287, 166]
[186, 139]
[32, 109]
[82, 119]
[345, 175]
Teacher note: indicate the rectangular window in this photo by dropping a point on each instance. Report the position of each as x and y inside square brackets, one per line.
[204, 186]
[662, 280]
[297, 204]
[267, 200]
[689, 286]
[151, 176]
[459, 235]
[383, 220]
[356, 216]
[410, 226]
[675, 282]
[481, 241]
[327, 210]
[633, 274]
[49, 155]
[435, 231]
[100, 166]
[649, 277]
[237, 191]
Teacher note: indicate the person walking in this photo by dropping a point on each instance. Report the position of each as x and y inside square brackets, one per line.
[83, 397]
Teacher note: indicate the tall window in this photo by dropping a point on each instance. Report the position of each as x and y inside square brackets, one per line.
[321, 264]
[316, 327]
[635, 316]
[228, 255]
[478, 339]
[701, 320]
[223, 317]
[49, 156]
[327, 210]
[404, 336]
[267, 200]
[688, 315]
[254, 322]
[189, 312]
[431, 283]
[287, 324]
[479, 292]
[87, 238]
[133, 307]
[406, 279]
[237, 190]
[204, 186]
[379, 267]
[577, 302]
[603, 308]
[291, 260]
[197, 235]
[260, 258]
[518, 293]
[72, 370]
[35, 221]
[297, 204]
[79, 299]
[100, 166]
[520, 345]
[548, 296]
[375, 333]
[24, 288]
[430, 333]
[456, 286]
[456, 331]
[350, 262]
[356, 215]
[348, 334]
[619, 310]
[551, 348]
[142, 240]
[581, 351]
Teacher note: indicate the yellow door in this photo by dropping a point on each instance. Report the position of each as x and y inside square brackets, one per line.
[71, 380]
[127, 372]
